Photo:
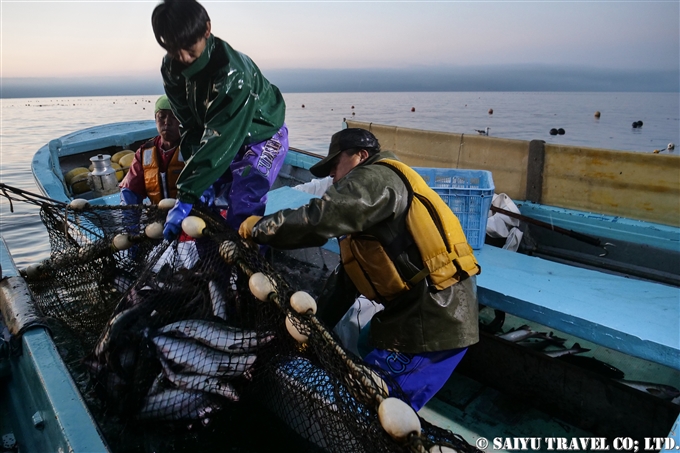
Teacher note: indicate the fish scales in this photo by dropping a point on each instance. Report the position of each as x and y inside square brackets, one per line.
[219, 304]
[203, 383]
[216, 335]
[193, 357]
[177, 404]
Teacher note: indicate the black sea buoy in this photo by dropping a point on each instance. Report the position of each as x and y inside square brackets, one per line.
[490, 111]
[413, 109]
[639, 123]
[560, 131]
[553, 131]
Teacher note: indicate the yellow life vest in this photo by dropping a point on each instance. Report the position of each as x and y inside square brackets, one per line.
[161, 185]
[447, 256]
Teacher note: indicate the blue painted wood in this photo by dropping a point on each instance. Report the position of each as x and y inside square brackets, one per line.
[9, 269]
[635, 317]
[600, 225]
[45, 165]
[116, 134]
[41, 384]
[300, 160]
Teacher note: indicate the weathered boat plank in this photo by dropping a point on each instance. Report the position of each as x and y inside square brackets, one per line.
[637, 185]
[48, 413]
[636, 317]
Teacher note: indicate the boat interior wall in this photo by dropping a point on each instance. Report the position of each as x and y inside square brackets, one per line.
[635, 185]
[639, 186]
[116, 134]
[448, 150]
[46, 411]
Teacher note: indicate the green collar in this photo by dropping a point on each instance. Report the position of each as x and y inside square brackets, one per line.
[202, 61]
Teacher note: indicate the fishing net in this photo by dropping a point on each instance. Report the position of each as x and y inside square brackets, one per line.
[173, 333]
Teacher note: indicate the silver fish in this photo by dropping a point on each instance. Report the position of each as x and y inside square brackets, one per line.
[525, 332]
[200, 382]
[216, 335]
[177, 404]
[519, 334]
[219, 305]
[666, 392]
[576, 349]
[193, 357]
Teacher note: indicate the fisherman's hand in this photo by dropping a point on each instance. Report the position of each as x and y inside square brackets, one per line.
[208, 196]
[246, 228]
[173, 222]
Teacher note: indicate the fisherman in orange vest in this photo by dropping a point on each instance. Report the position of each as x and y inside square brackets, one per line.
[157, 163]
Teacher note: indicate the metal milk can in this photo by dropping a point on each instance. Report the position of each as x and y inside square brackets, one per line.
[102, 180]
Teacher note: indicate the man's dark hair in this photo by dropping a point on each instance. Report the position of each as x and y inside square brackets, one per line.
[179, 24]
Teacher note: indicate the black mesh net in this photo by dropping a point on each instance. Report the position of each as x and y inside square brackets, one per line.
[173, 336]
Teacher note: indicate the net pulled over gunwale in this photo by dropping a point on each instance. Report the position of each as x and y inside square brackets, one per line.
[172, 335]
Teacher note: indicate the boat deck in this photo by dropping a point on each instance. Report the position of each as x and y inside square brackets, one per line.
[599, 307]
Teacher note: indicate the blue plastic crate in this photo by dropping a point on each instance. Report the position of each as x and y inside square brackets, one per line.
[468, 193]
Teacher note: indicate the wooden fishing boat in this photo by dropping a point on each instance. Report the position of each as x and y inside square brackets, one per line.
[622, 306]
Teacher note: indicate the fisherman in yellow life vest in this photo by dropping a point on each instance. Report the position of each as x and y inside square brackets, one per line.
[157, 163]
[401, 246]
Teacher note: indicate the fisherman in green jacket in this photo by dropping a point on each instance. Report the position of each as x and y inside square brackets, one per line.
[234, 137]
[431, 313]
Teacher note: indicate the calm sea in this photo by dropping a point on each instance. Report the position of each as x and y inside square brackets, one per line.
[28, 124]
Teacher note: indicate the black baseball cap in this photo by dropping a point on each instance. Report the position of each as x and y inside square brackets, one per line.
[351, 138]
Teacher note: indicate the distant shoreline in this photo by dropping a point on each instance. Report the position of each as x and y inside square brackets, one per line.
[464, 79]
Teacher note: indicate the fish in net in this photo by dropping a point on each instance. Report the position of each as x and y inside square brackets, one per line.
[184, 331]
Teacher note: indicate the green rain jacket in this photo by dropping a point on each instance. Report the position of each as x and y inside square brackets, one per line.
[223, 102]
[372, 199]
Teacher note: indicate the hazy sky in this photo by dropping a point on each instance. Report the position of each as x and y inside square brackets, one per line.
[114, 38]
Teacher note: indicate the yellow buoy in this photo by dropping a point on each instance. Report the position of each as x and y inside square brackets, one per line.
[68, 177]
[116, 157]
[126, 161]
[79, 184]
[119, 171]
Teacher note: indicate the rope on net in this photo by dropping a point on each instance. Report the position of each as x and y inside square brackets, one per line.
[92, 245]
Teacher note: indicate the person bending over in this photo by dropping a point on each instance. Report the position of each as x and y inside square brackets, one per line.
[235, 139]
[387, 220]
